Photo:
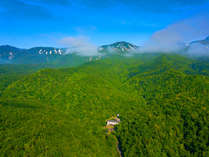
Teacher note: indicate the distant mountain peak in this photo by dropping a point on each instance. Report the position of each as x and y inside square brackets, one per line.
[203, 42]
[8, 46]
[121, 47]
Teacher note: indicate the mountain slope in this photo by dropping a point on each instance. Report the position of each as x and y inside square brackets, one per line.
[162, 100]
[80, 99]
[9, 53]
[51, 57]
[35, 55]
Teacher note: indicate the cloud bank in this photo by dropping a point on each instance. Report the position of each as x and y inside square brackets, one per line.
[198, 49]
[173, 38]
[80, 45]
[176, 36]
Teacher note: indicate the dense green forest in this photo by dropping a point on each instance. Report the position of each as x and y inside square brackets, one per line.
[11, 72]
[163, 102]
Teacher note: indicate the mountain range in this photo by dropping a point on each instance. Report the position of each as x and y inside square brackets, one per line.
[37, 55]
[10, 54]
[52, 55]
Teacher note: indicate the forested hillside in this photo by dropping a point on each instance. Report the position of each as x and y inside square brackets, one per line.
[11, 72]
[163, 102]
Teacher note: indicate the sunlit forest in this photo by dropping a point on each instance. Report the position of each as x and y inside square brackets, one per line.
[162, 99]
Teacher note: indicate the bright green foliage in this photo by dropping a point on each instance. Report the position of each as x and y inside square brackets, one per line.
[174, 121]
[10, 73]
[163, 101]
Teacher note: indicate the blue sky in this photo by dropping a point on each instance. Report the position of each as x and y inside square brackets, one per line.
[29, 23]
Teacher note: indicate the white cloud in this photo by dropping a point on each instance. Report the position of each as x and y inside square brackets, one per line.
[80, 45]
[198, 49]
[173, 37]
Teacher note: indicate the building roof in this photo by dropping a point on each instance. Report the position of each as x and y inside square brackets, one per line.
[113, 121]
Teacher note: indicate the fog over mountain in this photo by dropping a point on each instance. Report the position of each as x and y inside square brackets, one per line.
[199, 48]
[175, 37]
[82, 48]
